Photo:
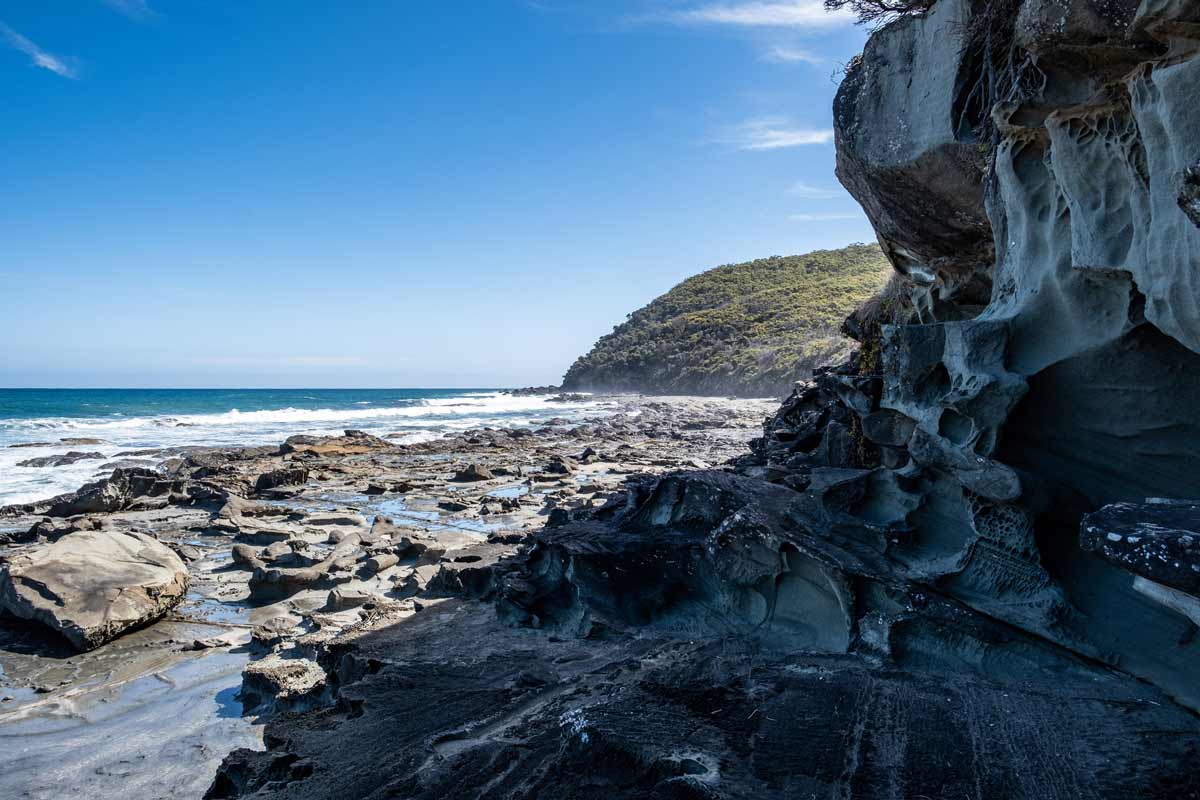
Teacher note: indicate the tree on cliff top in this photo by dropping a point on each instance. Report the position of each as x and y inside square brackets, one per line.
[880, 11]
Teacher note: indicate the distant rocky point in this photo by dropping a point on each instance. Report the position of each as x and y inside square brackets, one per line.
[534, 391]
[749, 329]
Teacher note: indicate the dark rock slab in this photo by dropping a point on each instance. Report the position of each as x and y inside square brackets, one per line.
[63, 460]
[287, 476]
[449, 703]
[122, 489]
[1158, 539]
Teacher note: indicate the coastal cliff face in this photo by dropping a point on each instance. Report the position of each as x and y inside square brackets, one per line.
[951, 566]
[1053, 255]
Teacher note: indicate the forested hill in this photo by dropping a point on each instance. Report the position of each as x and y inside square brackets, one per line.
[747, 329]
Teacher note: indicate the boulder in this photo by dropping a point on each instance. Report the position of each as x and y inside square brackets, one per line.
[560, 465]
[288, 476]
[245, 556]
[50, 529]
[277, 583]
[344, 598]
[252, 522]
[908, 150]
[383, 528]
[472, 473]
[415, 582]
[92, 586]
[274, 630]
[280, 683]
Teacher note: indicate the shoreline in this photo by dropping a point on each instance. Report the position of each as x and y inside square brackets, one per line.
[41, 456]
[274, 631]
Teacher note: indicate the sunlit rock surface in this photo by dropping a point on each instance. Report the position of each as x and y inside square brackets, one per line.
[91, 586]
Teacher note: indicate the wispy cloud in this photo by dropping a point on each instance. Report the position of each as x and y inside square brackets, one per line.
[793, 14]
[810, 192]
[821, 217]
[774, 133]
[38, 56]
[134, 9]
[791, 55]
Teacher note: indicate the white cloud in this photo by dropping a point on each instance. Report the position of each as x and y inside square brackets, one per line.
[810, 192]
[791, 55]
[134, 9]
[821, 217]
[37, 55]
[794, 14]
[772, 133]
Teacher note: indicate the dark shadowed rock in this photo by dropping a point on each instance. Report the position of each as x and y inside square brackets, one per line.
[1159, 540]
[287, 476]
[650, 717]
[122, 490]
[561, 465]
[60, 460]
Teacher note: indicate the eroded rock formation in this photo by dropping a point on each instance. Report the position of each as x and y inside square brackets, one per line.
[1075, 124]
[907, 531]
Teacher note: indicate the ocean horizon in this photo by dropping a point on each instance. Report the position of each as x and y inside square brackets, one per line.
[115, 426]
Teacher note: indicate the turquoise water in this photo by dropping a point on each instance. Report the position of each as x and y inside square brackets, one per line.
[17, 404]
[124, 420]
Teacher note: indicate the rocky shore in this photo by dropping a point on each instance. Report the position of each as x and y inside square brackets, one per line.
[961, 564]
[156, 619]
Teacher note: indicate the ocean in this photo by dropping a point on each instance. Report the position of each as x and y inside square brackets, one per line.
[138, 419]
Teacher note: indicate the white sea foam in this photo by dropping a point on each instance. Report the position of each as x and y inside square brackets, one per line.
[478, 405]
[416, 421]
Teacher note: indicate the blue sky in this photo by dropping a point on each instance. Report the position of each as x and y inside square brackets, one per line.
[392, 193]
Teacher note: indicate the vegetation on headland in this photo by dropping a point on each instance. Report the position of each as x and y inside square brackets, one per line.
[748, 329]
